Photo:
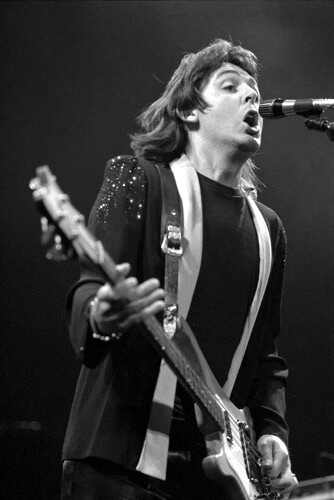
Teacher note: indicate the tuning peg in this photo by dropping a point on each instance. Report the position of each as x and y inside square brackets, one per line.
[48, 232]
[34, 184]
[56, 249]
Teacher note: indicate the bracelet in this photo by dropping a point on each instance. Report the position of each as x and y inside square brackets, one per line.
[96, 334]
[107, 338]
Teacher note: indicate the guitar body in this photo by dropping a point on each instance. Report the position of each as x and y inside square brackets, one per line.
[224, 465]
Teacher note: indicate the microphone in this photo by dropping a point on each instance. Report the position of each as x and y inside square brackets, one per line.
[278, 108]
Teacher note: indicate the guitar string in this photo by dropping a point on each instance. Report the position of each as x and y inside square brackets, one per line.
[255, 454]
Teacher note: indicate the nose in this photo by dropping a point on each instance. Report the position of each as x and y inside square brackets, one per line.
[251, 95]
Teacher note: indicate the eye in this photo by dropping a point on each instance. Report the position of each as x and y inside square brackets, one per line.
[229, 86]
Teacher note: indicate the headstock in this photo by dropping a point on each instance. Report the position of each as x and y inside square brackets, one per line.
[61, 223]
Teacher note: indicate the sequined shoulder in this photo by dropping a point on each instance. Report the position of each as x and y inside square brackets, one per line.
[123, 188]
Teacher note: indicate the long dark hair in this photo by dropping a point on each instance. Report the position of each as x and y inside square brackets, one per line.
[163, 136]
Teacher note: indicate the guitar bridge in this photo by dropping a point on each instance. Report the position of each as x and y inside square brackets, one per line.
[253, 465]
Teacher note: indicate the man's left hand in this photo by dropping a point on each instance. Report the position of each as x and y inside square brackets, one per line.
[276, 464]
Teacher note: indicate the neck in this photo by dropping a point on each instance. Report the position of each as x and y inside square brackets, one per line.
[221, 166]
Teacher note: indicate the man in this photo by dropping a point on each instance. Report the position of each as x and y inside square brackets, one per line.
[205, 128]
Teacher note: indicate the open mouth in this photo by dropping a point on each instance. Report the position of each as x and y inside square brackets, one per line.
[252, 118]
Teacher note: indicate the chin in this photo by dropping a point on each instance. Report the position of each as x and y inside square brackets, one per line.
[250, 145]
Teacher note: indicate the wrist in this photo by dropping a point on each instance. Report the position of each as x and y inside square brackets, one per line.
[96, 332]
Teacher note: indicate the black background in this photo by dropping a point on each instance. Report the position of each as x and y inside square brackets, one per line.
[74, 76]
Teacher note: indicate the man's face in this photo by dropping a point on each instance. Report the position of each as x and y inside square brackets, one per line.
[232, 119]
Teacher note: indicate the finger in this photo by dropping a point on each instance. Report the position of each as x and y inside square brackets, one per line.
[143, 303]
[123, 269]
[146, 288]
[155, 308]
[275, 458]
[125, 290]
[267, 458]
[138, 317]
[120, 292]
[280, 484]
[285, 484]
[284, 493]
[109, 301]
[105, 292]
[279, 466]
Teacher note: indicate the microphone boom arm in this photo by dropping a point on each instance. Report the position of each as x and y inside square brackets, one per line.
[322, 125]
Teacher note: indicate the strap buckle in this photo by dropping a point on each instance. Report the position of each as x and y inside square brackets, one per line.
[170, 322]
[172, 241]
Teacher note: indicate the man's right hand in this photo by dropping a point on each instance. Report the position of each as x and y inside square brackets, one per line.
[127, 303]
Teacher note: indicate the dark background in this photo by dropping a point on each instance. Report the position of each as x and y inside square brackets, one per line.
[74, 76]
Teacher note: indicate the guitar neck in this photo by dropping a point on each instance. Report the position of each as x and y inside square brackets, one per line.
[70, 223]
[87, 247]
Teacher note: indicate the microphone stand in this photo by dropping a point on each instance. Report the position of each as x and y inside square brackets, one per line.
[322, 125]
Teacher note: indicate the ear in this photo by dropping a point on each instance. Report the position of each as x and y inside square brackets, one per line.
[190, 116]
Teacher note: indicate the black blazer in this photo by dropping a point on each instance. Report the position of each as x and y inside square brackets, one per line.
[114, 392]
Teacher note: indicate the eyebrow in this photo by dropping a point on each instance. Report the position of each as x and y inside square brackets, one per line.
[250, 79]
